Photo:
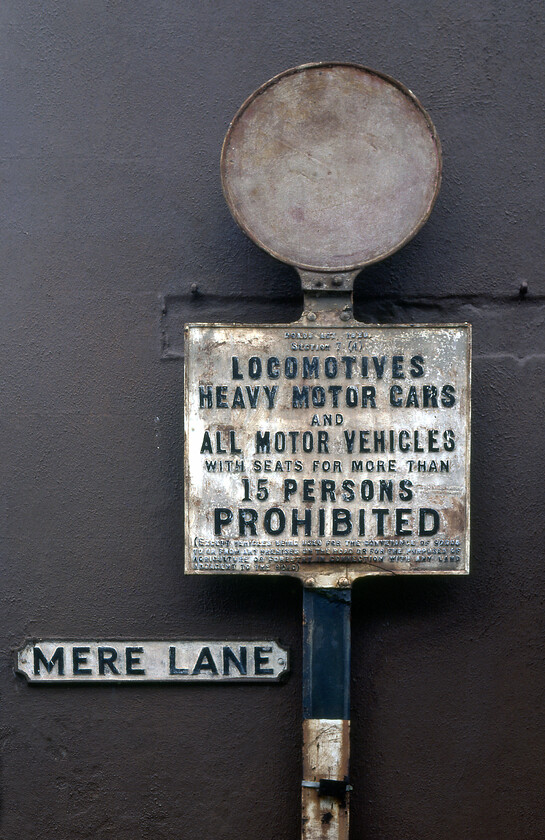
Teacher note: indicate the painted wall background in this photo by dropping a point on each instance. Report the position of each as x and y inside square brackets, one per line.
[113, 114]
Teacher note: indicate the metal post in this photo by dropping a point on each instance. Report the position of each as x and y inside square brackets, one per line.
[326, 713]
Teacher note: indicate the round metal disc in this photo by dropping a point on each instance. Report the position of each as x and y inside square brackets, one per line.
[330, 167]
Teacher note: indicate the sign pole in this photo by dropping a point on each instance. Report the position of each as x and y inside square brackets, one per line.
[328, 449]
[325, 795]
[326, 713]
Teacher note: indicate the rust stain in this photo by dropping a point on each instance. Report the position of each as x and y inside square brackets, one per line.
[455, 516]
[326, 750]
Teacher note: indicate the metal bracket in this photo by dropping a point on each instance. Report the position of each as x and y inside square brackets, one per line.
[327, 292]
[321, 309]
[327, 281]
[336, 788]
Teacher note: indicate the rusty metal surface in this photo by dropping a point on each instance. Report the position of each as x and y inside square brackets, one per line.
[327, 449]
[326, 753]
[331, 166]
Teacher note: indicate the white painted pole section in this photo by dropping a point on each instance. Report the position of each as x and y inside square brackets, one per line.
[326, 751]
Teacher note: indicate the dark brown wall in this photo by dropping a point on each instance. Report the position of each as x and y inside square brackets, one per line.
[112, 118]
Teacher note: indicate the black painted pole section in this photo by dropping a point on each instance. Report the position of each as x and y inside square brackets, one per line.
[326, 653]
[326, 713]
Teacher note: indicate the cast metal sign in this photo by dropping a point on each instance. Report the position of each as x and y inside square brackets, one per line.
[328, 451]
[55, 661]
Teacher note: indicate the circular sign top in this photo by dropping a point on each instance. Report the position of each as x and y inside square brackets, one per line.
[330, 167]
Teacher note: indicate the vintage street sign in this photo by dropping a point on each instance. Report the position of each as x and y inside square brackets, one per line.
[328, 449]
[327, 452]
[57, 661]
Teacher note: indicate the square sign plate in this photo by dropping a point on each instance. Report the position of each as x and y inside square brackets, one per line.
[327, 454]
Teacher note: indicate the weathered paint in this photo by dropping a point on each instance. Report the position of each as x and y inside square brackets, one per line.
[326, 709]
[115, 661]
[326, 749]
[331, 166]
[381, 485]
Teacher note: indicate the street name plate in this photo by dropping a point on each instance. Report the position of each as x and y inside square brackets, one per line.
[54, 661]
[327, 452]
